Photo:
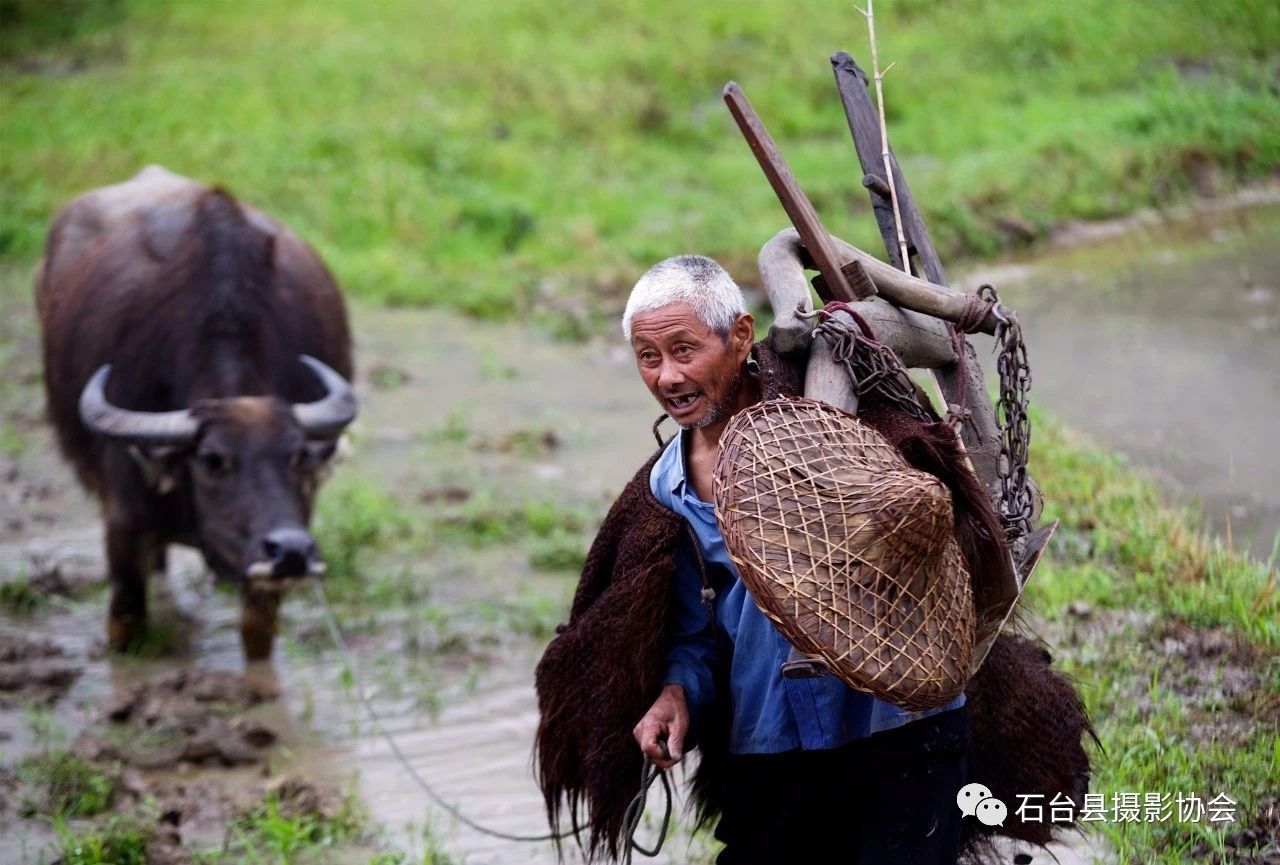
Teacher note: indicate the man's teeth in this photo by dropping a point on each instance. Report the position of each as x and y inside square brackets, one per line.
[682, 401]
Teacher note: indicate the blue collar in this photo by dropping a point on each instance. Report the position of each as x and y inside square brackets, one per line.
[680, 477]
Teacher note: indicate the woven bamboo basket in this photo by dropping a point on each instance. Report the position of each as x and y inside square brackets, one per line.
[847, 549]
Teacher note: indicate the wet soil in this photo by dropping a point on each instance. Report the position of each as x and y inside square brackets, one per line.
[1260, 830]
[198, 727]
[185, 717]
[32, 670]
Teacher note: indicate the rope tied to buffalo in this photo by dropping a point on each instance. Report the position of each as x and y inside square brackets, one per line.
[631, 818]
[635, 810]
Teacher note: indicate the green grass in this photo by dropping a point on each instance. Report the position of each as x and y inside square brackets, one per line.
[431, 853]
[1166, 723]
[489, 517]
[532, 158]
[354, 518]
[59, 784]
[268, 834]
[163, 638]
[555, 534]
[525, 613]
[382, 560]
[54, 783]
[120, 841]
[12, 441]
[20, 596]
[560, 550]
[1121, 546]
[32, 27]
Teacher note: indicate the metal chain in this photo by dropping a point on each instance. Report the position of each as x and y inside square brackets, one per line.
[872, 366]
[1012, 419]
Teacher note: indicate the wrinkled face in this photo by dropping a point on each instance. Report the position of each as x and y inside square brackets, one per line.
[693, 372]
[254, 477]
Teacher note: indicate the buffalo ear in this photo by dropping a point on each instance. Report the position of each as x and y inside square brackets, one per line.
[321, 451]
[161, 465]
[322, 454]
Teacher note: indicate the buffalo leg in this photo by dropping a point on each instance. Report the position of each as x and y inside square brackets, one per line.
[258, 615]
[130, 556]
[160, 558]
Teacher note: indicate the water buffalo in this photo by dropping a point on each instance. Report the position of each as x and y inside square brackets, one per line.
[196, 360]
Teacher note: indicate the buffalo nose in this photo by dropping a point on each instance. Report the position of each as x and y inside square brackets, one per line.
[290, 550]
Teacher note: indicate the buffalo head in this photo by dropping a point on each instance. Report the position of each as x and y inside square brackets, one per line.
[250, 465]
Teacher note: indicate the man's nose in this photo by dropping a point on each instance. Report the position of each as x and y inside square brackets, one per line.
[670, 374]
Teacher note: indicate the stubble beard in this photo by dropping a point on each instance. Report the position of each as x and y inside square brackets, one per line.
[723, 408]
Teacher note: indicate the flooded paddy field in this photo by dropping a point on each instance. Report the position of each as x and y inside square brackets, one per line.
[1163, 343]
[482, 461]
[454, 529]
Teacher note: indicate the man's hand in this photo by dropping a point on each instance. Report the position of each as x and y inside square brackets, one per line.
[666, 723]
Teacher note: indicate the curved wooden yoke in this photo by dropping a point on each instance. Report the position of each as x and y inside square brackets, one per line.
[906, 312]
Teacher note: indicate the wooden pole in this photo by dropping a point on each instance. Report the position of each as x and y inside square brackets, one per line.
[980, 434]
[869, 14]
[792, 197]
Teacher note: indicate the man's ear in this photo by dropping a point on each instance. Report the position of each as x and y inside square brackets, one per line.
[743, 334]
[161, 465]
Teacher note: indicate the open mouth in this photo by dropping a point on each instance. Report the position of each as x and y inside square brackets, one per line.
[682, 403]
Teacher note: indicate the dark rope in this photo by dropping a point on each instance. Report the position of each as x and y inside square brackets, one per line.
[340, 644]
[634, 811]
[657, 435]
[976, 309]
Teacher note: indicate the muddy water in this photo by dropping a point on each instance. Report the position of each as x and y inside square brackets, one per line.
[492, 383]
[1163, 343]
[459, 380]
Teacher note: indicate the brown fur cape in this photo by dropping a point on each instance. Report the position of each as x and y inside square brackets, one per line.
[603, 669]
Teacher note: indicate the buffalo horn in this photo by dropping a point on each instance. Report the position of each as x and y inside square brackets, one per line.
[327, 416]
[138, 427]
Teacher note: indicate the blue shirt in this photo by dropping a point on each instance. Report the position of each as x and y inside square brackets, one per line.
[771, 713]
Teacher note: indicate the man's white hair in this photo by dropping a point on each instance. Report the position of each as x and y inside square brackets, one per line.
[695, 279]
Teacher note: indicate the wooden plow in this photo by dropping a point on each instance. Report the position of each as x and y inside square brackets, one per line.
[913, 311]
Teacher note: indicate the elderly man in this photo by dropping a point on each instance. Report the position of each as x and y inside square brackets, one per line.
[664, 643]
[803, 752]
